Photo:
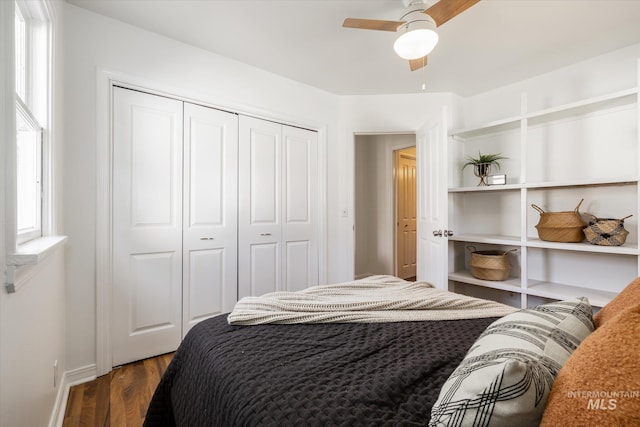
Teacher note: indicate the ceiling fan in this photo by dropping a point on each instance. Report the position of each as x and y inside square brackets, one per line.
[417, 26]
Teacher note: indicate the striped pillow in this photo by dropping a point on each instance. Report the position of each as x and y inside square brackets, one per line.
[506, 376]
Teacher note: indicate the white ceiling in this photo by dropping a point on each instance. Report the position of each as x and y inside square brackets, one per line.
[494, 43]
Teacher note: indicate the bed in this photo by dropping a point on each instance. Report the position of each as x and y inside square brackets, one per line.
[357, 373]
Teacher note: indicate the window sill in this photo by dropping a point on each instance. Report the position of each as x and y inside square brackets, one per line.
[30, 254]
[34, 251]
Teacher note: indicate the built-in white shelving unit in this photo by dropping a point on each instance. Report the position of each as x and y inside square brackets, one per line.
[557, 156]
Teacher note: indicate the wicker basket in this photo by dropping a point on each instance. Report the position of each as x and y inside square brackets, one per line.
[606, 231]
[563, 226]
[489, 265]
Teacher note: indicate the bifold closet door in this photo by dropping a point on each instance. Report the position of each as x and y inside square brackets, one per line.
[259, 227]
[277, 244]
[210, 213]
[147, 225]
[299, 208]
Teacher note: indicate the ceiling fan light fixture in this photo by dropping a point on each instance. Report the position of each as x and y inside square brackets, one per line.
[417, 38]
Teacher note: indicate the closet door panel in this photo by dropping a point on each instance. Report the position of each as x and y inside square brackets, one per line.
[299, 205]
[206, 272]
[264, 177]
[264, 268]
[153, 276]
[210, 212]
[259, 228]
[298, 264]
[147, 225]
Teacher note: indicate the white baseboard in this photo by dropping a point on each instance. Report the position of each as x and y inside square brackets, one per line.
[81, 375]
[57, 415]
[69, 379]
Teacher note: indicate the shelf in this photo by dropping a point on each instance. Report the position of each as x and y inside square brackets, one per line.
[538, 288]
[583, 183]
[535, 140]
[601, 103]
[532, 242]
[612, 100]
[506, 187]
[493, 239]
[497, 126]
[562, 292]
[632, 180]
[509, 285]
[626, 249]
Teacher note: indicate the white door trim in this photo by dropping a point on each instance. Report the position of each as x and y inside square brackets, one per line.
[105, 80]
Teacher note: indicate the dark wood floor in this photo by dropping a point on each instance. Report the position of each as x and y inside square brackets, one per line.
[119, 398]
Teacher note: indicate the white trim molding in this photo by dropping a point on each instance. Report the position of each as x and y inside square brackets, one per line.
[69, 379]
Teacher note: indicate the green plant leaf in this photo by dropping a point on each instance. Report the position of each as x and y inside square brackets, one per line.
[493, 159]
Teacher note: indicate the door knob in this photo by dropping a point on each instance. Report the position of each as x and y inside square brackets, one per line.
[437, 233]
[448, 233]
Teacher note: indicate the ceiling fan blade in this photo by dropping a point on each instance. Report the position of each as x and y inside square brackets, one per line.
[445, 10]
[372, 24]
[416, 64]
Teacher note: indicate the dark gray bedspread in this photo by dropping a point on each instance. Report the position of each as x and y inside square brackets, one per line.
[347, 374]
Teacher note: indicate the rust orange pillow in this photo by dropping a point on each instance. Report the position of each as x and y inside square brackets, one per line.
[600, 383]
[629, 297]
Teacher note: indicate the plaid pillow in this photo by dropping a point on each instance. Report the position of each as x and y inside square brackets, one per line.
[506, 376]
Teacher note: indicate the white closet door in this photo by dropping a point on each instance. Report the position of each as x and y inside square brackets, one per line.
[210, 213]
[147, 225]
[299, 208]
[259, 227]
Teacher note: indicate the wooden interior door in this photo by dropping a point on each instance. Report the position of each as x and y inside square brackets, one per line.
[147, 225]
[406, 214]
[210, 238]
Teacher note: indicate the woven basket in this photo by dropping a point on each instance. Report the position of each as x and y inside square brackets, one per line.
[563, 226]
[606, 231]
[489, 265]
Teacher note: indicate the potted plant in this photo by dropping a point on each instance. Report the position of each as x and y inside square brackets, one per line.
[482, 165]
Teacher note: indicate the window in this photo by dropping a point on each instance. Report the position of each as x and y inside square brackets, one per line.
[32, 77]
[29, 176]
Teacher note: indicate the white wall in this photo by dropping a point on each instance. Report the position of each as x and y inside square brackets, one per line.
[33, 323]
[365, 206]
[95, 42]
[32, 320]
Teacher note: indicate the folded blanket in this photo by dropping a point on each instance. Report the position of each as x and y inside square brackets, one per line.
[370, 300]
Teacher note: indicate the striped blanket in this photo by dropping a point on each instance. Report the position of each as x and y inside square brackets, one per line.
[371, 300]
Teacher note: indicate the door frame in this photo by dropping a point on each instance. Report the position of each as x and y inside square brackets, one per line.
[389, 180]
[394, 154]
[105, 81]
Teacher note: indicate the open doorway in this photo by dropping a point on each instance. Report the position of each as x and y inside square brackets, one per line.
[375, 215]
